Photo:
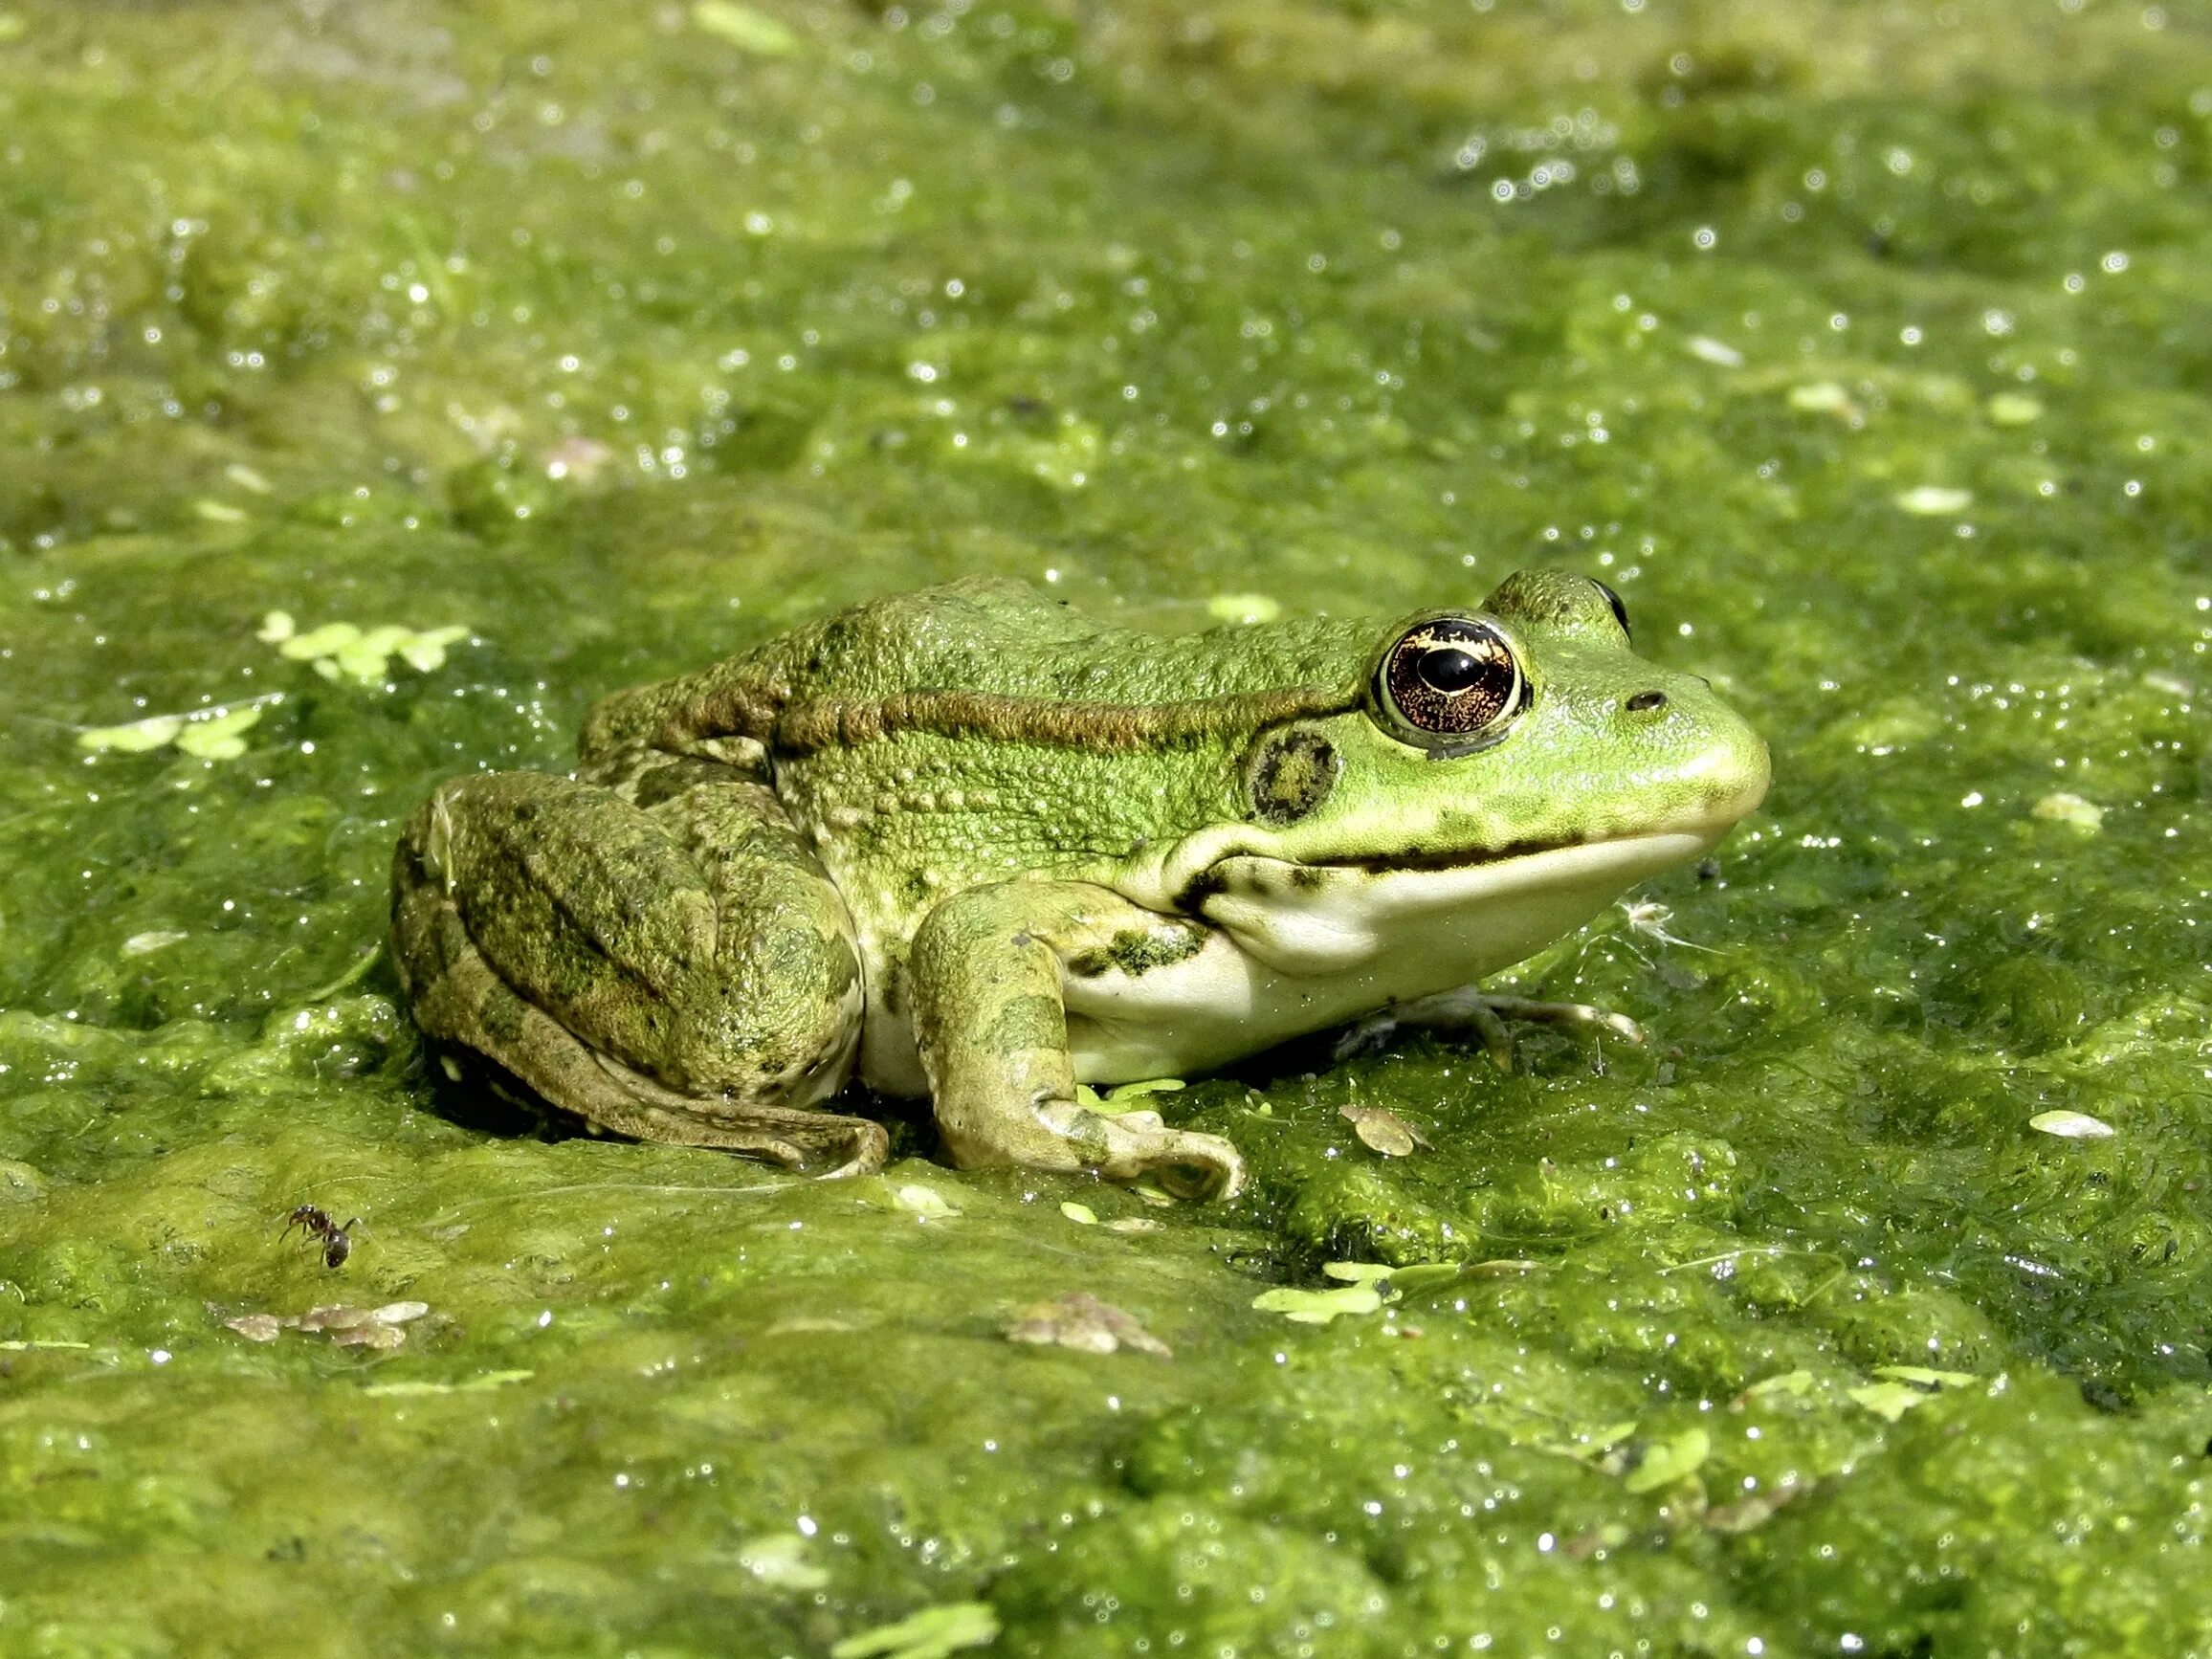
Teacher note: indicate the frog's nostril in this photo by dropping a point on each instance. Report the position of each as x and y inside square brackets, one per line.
[1645, 701]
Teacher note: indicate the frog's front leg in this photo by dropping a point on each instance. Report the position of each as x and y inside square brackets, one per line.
[990, 1017]
[666, 959]
[1471, 1008]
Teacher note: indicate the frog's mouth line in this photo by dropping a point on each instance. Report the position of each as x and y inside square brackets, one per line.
[1310, 873]
[1182, 877]
[1421, 858]
[1710, 818]
[1313, 875]
[1478, 915]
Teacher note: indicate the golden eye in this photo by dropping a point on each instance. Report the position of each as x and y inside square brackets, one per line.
[1453, 679]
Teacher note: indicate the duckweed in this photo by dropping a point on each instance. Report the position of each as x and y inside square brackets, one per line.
[1861, 348]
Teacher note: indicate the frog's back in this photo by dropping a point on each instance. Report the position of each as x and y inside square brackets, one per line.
[1004, 637]
[986, 633]
[990, 635]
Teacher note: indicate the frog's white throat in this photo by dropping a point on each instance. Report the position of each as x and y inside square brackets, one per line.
[1297, 948]
[1453, 924]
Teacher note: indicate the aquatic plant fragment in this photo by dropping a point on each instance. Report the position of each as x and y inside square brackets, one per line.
[1081, 1322]
[932, 1633]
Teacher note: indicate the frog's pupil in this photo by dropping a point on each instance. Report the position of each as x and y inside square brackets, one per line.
[1449, 671]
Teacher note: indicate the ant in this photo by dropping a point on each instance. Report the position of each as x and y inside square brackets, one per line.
[316, 1223]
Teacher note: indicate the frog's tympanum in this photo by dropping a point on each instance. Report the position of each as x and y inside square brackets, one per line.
[965, 843]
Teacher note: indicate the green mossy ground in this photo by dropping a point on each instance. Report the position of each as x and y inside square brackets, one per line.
[624, 334]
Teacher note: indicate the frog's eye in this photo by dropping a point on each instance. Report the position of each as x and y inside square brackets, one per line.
[1620, 609]
[1453, 682]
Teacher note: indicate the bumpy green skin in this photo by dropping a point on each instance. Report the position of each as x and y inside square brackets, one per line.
[965, 795]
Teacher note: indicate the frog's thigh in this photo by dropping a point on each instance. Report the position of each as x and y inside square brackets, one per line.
[679, 972]
[989, 1015]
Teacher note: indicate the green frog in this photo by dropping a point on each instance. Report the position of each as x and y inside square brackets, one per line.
[969, 844]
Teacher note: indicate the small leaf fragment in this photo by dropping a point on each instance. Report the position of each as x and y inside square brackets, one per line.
[933, 1633]
[1383, 1131]
[1122, 1098]
[208, 735]
[426, 652]
[1669, 1460]
[925, 1202]
[134, 738]
[2065, 806]
[2013, 409]
[327, 640]
[2071, 1125]
[743, 27]
[1082, 1214]
[1319, 1307]
[1707, 349]
[1889, 1400]
[1794, 1384]
[1081, 1322]
[1415, 1277]
[1821, 397]
[344, 650]
[1136, 1224]
[1925, 1378]
[368, 1335]
[217, 738]
[350, 1327]
[1148, 1086]
[336, 1318]
[257, 1327]
[1934, 500]
[1357, 1273]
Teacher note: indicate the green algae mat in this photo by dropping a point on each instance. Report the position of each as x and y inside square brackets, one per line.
[382, 382]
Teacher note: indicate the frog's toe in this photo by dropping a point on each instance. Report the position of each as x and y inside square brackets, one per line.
[868, 1147]
[1201, 1167]
[1577, 1016]
[1137, 1145]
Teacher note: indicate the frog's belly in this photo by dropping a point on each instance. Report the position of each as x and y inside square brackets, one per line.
[1290, 955]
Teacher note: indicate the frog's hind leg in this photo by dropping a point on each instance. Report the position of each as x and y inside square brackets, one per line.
[667, 961]
[1470, 1007]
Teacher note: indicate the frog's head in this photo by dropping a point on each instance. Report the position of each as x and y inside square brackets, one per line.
[1509, 772]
